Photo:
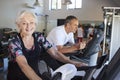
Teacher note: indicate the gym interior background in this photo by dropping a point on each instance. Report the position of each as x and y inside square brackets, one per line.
[90, 13]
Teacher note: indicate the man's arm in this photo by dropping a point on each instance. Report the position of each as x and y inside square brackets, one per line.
[66, 49]
[62, 58]
[26, 69]
[70, 49]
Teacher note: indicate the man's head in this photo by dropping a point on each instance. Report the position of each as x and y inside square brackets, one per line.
[71, 24]
[26, 22]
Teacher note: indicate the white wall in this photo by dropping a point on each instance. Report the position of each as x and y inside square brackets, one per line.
[9, 10]
[90, 11]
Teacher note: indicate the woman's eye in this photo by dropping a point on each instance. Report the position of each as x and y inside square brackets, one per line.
[31, 22]
[24, 23]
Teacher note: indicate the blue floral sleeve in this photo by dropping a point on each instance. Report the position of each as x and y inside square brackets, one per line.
[42, 41]
[15, 47]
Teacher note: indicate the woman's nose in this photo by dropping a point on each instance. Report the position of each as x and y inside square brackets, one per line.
[28, 24]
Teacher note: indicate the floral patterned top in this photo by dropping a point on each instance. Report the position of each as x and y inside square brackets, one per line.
[15, 47]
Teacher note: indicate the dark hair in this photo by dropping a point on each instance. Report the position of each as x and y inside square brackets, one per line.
[69, 18]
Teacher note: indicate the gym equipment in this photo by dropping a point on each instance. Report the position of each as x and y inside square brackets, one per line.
[90, 53]
[65, 72]
[5, 34]
[111, 70]
[111, 30]
[90, 70]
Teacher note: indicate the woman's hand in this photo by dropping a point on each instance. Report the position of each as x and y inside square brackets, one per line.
[79, 64]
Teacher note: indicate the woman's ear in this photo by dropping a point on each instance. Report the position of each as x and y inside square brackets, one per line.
[17, 24]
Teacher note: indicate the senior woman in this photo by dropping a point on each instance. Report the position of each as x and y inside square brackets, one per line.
[26, 49]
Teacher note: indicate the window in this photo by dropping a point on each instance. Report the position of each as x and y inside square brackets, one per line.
[54, 4]
[75, 4]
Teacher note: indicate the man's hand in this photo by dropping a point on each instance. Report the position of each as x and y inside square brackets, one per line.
[80, 45]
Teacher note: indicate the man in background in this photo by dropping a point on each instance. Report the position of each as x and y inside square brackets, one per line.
[62, 37]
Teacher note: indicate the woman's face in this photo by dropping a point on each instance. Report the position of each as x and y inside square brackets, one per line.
[27, 24]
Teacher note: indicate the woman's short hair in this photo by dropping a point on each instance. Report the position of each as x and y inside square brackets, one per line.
[22, 13]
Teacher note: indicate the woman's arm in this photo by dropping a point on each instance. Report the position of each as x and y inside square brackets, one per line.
[62, 58]
[26, 69]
